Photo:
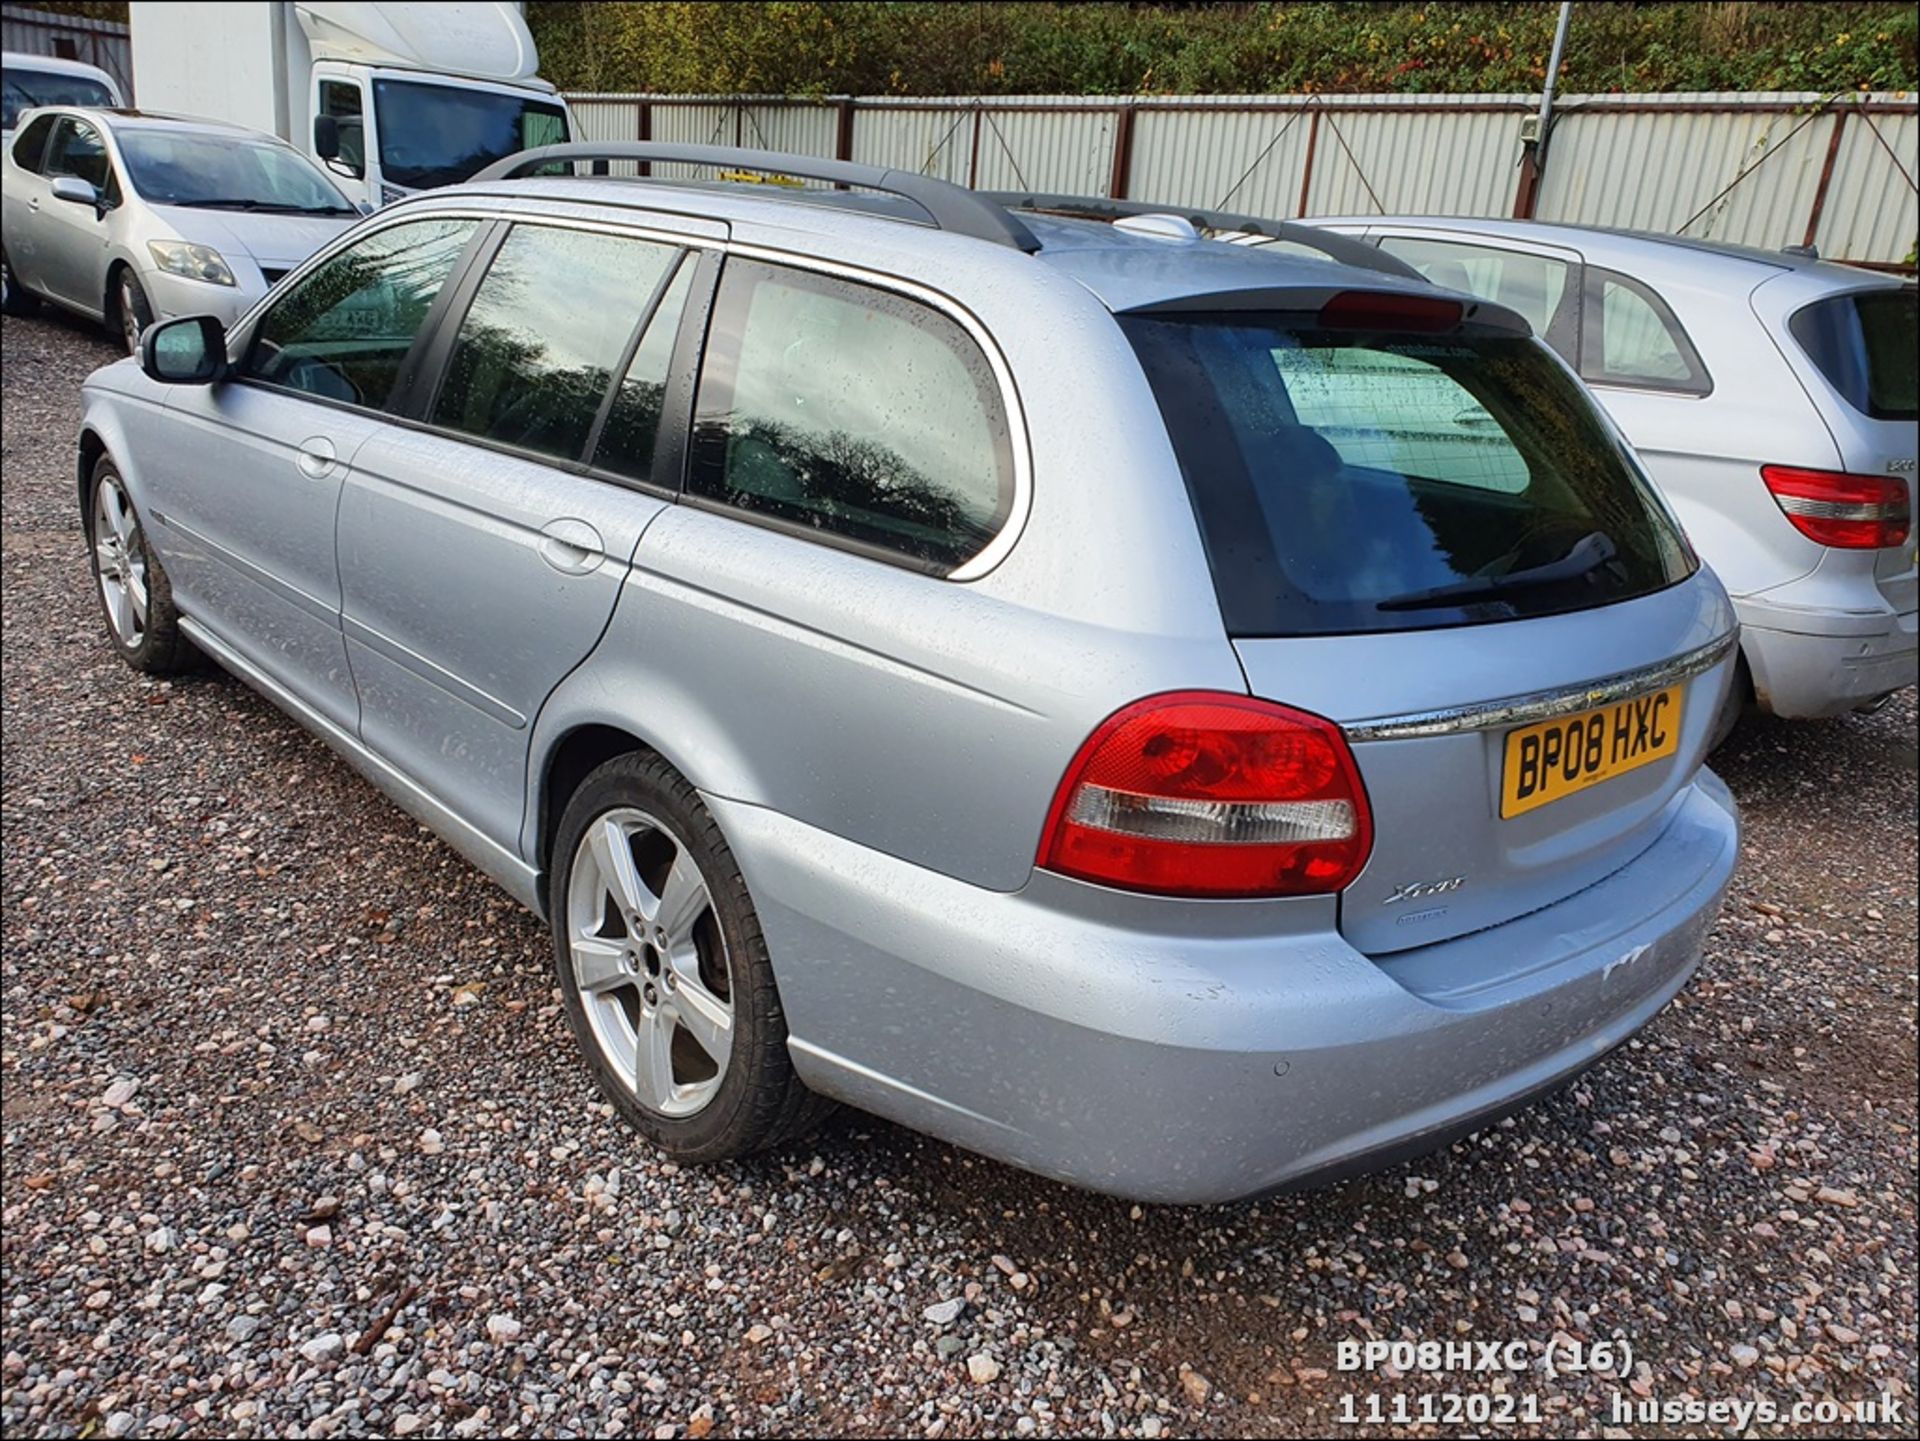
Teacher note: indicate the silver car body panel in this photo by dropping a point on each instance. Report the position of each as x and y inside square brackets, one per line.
[1824, 630]
[880, 746]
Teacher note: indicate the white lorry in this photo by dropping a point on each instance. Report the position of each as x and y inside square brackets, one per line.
[392, 98]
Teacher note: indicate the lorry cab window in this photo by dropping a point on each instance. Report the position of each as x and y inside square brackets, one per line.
[442, 134]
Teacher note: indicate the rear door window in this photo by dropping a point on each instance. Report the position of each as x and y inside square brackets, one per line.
[1543, 288]
[343, 332]
[1628, 336]
[852, 413]
[1867, 345]
[1353, 481]
[547, 329]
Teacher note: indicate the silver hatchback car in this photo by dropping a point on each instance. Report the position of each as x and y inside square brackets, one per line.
[1776, 401]
[1183, 720]
[128, 218]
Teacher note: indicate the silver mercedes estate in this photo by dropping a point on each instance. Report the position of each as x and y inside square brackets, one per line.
[1182, 719]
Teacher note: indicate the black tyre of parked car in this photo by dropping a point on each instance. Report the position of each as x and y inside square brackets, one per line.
[136, 598]
[662, 964]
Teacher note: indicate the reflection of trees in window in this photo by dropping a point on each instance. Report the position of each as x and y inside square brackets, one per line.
[500, 385]
[848, 483]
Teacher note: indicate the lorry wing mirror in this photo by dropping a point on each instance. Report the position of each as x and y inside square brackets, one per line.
[326, 137]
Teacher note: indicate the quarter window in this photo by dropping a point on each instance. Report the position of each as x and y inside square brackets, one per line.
[344, 331]
[851, 412]
[545, 335]
[1630, 337]
[1540, 287]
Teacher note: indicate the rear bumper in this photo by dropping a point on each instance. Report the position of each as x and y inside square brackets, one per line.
[1195, 1052]
[1809, 663]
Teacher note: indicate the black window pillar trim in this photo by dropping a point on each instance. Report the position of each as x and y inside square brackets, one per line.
[673, 445]
[425, 368]
[627, 351]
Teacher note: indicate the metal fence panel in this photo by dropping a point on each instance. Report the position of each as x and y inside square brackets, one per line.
[1452, 157]
[1221, 158]
[1628, 164]
[1872, 211]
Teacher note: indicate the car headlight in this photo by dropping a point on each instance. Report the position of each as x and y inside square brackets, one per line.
[196, 262]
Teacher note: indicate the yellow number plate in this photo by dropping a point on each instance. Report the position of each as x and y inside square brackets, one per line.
[1558, 757]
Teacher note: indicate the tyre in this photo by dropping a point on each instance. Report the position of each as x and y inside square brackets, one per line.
[135, 596]
[130, 308]
[664, 971]
[13, 299]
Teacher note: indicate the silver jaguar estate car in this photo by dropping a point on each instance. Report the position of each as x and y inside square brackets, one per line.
[1183, 720]
[128, 218]
[1776, 401]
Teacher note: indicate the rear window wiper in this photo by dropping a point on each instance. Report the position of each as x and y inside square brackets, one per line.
[1588, 554]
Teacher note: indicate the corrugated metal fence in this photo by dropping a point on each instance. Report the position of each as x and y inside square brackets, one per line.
[1761, 169]
[72, 37]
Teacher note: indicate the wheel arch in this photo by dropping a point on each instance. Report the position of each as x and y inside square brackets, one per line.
[92, 446]
[573, 756]
[615, 702]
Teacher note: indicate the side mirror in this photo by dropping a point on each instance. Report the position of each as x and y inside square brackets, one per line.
[75, 191]
[188, 351]
[326, 137]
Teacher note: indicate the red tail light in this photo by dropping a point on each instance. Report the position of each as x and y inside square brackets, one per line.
[1201, 794]
[1850, 512]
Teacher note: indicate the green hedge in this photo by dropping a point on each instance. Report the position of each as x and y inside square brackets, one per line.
[959, 47]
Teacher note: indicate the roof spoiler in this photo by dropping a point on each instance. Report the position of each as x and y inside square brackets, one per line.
[1342, 248]
[947, 207]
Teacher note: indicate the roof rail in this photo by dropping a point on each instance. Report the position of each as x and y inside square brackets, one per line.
[948, 207]
[1343, 248]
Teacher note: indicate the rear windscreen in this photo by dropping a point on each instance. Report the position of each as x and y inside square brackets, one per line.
[1351, 481]
[1865, 345]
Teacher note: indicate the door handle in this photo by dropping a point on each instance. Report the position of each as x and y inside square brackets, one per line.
[33, 202]
[317, 457]
[571, 546]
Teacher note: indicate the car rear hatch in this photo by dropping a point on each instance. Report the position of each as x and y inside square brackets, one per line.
[1421, 528]
[1857, 350]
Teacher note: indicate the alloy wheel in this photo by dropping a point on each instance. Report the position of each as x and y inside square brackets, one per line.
[120, 559]
[650, 961]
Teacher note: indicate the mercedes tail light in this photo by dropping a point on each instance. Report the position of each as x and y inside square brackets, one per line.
[1849, 512]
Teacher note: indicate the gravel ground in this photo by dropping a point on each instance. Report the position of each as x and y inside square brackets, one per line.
[296, 1142]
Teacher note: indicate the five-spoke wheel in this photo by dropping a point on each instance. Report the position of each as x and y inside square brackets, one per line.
[651, 961]
[120, 562]
[664, 969]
